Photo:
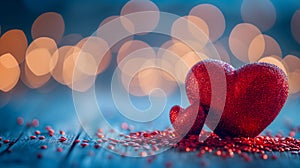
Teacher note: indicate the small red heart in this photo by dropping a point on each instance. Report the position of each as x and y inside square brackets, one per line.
[254, 94]
[188, 121]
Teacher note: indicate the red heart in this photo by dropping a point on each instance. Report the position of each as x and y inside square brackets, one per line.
[255, 94]
[188, 121]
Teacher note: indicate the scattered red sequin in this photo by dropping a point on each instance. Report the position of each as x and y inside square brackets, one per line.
[35, 122]
[6, 141]
[37, 132]
[32, 137]
[59, 149]
[41, 137]
[20, 120]
[44, 147]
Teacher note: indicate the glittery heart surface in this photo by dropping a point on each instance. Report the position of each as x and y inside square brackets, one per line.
[247, 100]
[188, 121]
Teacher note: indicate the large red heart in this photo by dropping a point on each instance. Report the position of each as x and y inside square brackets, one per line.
[253, 97]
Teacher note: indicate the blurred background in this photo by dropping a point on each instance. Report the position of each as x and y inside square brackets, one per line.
[41, 40]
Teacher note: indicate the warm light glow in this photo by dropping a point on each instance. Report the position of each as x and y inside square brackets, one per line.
[186, 62]
[213, 17]
[197, 38]
[263, 15]
[129, 47]
[292, 63]
[263, 45]
[38, 61]
[275, 61]
[48, 24]
[295, 26]
[222, 52]
[144, 15]
[42, 42]
[9, 72]
[240, 39]
[294, 81]
[58, 59]
[122, 23]
[98, 52]
[195, 23]
[14, 42]
[31, 80]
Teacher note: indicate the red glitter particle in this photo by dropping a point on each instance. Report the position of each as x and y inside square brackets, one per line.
[41, 137]
[39, 156]
[124, 126]
[20, 120]
[6, 141]
[35, 122]
[32, 137]
[168, 164]
[61, 132]
[77, 141]
[37, 132]
[59, 149]
[44, 147]
[96, 146]
[84, 145]
[62, 139]
[85, 141]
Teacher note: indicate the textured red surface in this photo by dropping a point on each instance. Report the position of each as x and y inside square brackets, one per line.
[188, 121]
[254, 95]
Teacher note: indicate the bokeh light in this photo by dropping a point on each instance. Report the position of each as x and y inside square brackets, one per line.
[295, 26]
[49, 24]
[14, 42]
[213, 17]
[240, 39]
[263, 45]
[147, 11]
[98, 49]
[9, 72]
[276, 61]
[263, 15]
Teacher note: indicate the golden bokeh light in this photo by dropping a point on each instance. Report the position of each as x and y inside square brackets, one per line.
[294, 81]
[263, 17]
[274, 60]
[174, 46]
[263, 45]
[14, 42]
[295, 26]
[152, 78]
[9, 72]
[42, 42]
[137, 12]
[121, 23]
[199, 24]
[49, 24]
[146, 76]
[31, 80]
[98, 49]
[58, 59]
[213, 17]
[129, 47]
[240, 39]
[292, 63]
[38, 61]
[221, 51]
[181, 30]
[186, 62]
